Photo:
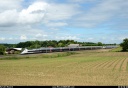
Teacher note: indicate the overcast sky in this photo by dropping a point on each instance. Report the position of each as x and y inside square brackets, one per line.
[81, 20]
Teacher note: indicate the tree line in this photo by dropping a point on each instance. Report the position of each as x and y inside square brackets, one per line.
[54, 43]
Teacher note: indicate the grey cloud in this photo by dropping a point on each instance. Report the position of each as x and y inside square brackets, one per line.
[38, 11]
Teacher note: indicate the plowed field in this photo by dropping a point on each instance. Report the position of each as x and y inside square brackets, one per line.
[94, 67]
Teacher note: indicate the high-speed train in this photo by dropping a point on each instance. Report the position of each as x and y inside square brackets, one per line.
[64, 49]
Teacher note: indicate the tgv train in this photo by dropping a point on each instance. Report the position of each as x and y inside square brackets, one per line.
[64, 49]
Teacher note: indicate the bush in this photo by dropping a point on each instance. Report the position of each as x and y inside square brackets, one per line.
[2, 50]
[124, 45]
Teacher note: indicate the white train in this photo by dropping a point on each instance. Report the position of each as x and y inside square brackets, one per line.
[64, 49]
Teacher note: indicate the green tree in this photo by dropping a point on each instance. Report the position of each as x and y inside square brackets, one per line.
[60, 44]
[2, 50]
[99, 44]
[124, 44]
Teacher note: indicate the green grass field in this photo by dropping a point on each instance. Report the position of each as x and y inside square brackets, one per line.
[94, 67]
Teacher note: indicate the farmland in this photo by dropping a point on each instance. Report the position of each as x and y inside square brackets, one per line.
[90, 67]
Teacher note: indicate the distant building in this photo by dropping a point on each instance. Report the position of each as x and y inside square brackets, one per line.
[74, 45]
[12, 50]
